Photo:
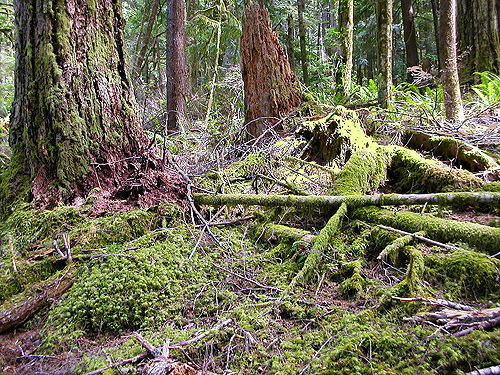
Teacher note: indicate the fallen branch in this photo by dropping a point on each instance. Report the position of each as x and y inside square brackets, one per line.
[15, 312]
[495, 370]
[319, 247]
[440, 302]
[460, 199]
[486, 324]
[124, 362]
[418, 237]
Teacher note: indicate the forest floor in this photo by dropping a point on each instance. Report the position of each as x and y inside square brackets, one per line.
[220, 283]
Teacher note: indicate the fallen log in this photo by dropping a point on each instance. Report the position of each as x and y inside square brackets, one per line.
[19, 309]
[459, 199]
[481, 236]
[319, 247]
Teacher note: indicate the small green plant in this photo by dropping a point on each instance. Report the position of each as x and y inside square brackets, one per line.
[488, 91]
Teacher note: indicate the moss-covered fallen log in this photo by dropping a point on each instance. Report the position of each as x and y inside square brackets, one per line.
[459, 199]
[481, 236]
[319, 247]
[21, 307]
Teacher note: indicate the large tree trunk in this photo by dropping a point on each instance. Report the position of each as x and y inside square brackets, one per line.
[451, 84]
[346, 28]
[410, 33]
[302, 40]
[478, 37]
[384, 38]
[176, 63]
[74, 122]
[271, 87]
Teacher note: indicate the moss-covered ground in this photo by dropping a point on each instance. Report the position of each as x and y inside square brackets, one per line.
[155, 272]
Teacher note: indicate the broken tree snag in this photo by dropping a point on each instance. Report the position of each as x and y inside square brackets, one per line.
[482, 237]
[271, 87]
[411, 171]
[459, 199]
[319, 247]
[21, 307]
[468, 156]
[336, 136]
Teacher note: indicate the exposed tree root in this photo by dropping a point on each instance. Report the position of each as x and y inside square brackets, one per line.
[22, 307]
[483, 237]
[320, 245]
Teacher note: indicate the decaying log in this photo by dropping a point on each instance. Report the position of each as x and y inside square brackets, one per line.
[320, 245]
[468, 156]
[458, 199]
[19, 309]
[481, 236]
[438, 302]
[282, 233]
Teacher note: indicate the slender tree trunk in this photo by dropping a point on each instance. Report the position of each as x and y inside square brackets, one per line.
[271, 87]
[451, 83]
[74, 122]
[216, 64]
[302, 40]
[346, 28]
[289, 39]
[435, 19]
[176, 64]
[384, 37]
[410, 34]
[478, 38]
[147, 36]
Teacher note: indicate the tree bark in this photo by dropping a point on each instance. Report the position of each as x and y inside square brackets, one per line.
[289, 39]
[74, 122]
[478, 38]
[410, 34]
[271, 88]
[435, 19]
[384, 37]
[451, 84]
[302, 40]
[146, 38]
[176, 64]
[346, 28]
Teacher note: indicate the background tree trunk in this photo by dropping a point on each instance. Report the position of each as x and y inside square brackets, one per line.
[435, 19]
[302, 40]
[384, 37]
[451, 83]
[289, 46]
[74, 122]
[145, 40]
[478, 38]
[346, 28]
[176, 63]
[271, 87]
[410, 34]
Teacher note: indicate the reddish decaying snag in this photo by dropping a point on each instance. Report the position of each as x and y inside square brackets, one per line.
[272, 89]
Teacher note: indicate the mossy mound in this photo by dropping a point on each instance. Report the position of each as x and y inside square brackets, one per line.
[140, 288]
[465, 273]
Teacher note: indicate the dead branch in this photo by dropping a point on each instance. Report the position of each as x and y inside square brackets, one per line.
[124, 362]
[459, 199]
[486, 324]
[495, 370]
[14, 313]
[440, 302]
[418, 237]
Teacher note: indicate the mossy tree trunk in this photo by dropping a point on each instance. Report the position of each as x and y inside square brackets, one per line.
[271, 87]
[478, 37]
[74, 123]
[451, 84]
[383, 9]
[346, 27]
